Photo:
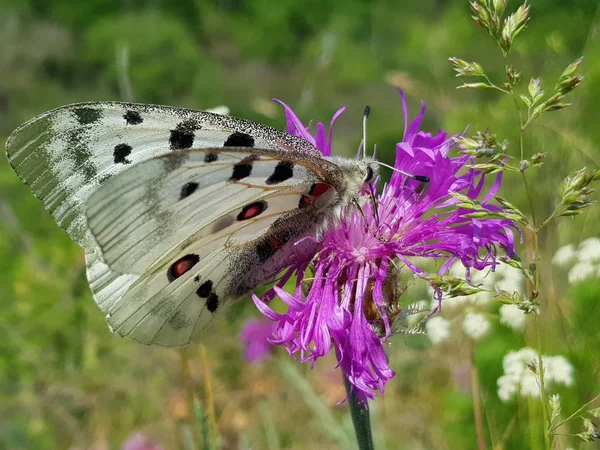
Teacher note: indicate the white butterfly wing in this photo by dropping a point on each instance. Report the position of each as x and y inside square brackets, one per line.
[200, 228]
[64, 155]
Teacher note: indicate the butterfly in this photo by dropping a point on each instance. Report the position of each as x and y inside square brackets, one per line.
[178, 211]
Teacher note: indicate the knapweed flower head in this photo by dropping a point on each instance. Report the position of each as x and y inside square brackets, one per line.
[346, 294]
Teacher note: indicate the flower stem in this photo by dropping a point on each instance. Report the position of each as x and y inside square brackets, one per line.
[187, 386]
[210, 404]
[543, 396]
[476, 393]
[360, 419]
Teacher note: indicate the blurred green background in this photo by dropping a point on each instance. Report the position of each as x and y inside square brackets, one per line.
[67, 383]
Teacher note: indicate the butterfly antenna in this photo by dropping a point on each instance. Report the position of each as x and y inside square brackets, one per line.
[364, 126]
[421, 178]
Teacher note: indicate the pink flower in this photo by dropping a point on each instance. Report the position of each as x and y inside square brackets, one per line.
[351, 303]
[255, 336]
[139, 441]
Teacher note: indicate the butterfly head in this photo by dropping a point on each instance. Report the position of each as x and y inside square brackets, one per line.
[355, 174]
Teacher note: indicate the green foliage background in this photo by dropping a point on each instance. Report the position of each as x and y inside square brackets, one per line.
[66, 382]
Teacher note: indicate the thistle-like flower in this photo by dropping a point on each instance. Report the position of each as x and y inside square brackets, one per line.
[347, 293]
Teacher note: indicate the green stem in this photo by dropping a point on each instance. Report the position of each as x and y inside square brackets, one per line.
[360, 419]
[493, 86]
[532, 210]
[536, 286]
[476, 393]
[542, 383]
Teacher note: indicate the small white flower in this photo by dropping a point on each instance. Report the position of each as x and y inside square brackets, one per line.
[519, 379]
[589, 250]
[507, 387]
[564, 255]
[581, 271]
[515, 362]
[558, 370]
[512, 317]
[455, 302]
[511, 279]
[438, 329]
[529, 385]
[476, 326]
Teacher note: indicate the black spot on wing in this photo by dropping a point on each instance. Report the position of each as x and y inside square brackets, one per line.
[239, 139]
[205, 289]
[212, 302]
[182, 136]
[188, 189]
[121, 152]
[211, 157]
[284, 170]
[86, 116]
[132, 117]
[243, 169]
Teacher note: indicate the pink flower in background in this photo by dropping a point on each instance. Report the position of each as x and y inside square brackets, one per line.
[255, 336]
[351, 302]
[139, 441]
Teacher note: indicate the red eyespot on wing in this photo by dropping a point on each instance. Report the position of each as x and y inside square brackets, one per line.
[316, 190]
[319, 189]
[252, 210]
[181, 266]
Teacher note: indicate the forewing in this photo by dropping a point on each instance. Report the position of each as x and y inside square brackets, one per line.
[66, 153]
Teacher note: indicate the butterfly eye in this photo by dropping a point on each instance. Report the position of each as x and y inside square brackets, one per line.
[369, 174]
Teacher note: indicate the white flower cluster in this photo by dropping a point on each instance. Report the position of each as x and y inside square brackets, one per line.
[512, 317]
[519, 379]
[584, 260]
[438, 329]
[476, 326]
